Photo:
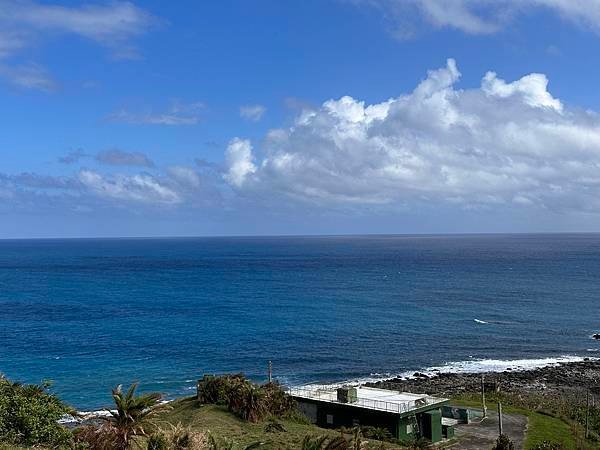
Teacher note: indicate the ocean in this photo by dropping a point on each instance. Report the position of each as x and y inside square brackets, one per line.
[89, 314]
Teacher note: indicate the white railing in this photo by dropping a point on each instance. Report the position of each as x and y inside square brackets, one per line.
[380, 405]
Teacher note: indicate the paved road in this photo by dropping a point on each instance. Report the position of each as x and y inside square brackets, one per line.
[482, 436]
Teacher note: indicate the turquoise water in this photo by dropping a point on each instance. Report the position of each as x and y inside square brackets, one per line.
[89, 314]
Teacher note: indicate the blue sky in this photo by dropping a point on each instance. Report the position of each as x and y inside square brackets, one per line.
[317, 116]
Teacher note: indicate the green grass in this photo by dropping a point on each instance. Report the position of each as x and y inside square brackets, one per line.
[221, 423]
[541, 427]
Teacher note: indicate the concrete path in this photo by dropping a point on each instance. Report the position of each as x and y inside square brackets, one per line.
[482, 436]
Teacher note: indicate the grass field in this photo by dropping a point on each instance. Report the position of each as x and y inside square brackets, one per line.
[541, 427]
[220, 422]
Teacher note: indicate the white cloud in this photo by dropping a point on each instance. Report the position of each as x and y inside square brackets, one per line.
[503, 143]
[24, 24]
[29, 76]
[138, 188]
[252, 112]
[533, 88]
[239, 159]
[177, 114]
[113, 25]
[185, 176]
[480, 16]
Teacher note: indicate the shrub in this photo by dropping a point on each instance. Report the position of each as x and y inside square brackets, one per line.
[380, 434]
[29, 415]
[227, 444]
[504, 443]
[214, 389]
[247, 401]
[177, 438]
[244, 398]
[94, 437]
[273, 426]
[277, 401]
[417, 444]
[157, 441]
[341, 442]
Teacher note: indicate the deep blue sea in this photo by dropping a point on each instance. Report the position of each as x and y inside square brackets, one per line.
[89, 314]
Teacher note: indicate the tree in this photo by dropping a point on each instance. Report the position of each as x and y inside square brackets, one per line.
[132, 415]
[29, 415]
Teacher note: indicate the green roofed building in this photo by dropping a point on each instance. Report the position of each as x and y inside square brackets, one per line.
[405, 415]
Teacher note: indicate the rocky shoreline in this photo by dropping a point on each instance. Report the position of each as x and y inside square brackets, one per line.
[556, 379]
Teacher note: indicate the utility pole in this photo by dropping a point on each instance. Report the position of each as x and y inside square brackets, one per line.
[270, 372]
[587, 414]
[500, 418]
[483, 396]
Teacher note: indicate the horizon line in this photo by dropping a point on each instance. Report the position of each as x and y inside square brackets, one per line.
[335, 235]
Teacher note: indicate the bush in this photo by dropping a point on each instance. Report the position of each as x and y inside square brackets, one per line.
[504, 443]
[29, 415]
[177, 438]
[277, 401]
[214, 390]
[247, 401]
[157, 441]
[244, 398]
[93, 437]
[273, 426]
[380, 434]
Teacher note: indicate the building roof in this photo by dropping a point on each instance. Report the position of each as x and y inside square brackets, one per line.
[372, 398]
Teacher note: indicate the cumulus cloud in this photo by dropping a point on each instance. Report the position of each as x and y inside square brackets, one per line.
[503, 143]
[533, 88]
[116, 157]
[239, 160]
[252, 112]
[480, 16]
[138, 188]
[177, 114]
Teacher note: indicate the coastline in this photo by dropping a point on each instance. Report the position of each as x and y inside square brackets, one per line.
[545, 376]
[555, 379]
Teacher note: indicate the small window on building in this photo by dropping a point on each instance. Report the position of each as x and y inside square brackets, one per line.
[329, 419]
[409, 429]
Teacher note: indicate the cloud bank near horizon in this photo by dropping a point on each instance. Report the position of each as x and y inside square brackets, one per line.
[507, 145]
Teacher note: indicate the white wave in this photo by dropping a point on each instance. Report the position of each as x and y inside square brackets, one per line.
[499, 365]
[471, 366]
[593, 350]
[479, 321]
[83, 416]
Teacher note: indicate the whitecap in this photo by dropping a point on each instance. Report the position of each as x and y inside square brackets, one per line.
[470, 366]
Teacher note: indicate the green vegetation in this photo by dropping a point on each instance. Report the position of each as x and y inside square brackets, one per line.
[29, 415]
[130, 419]
[544, 427]
[245, 399]
[504, 443]
[220, 422]
[231, 413]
